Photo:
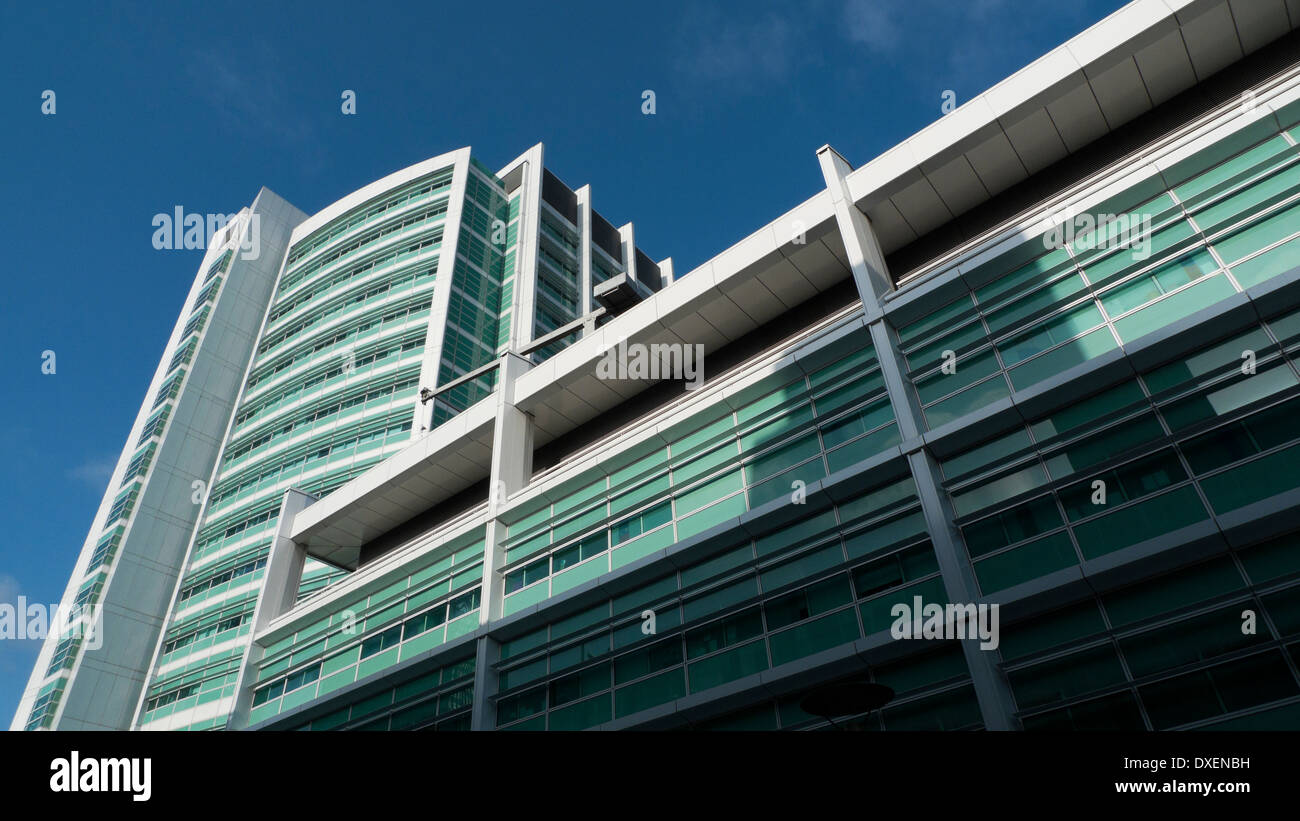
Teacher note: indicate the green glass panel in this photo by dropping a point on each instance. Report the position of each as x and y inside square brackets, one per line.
[857, 423]
[633, 498]
[1059, 292]
[1108, 444]
[582, 715]
[806, 565]
[779, 459]
[1237, 394]
[705, 463]
[708, 492]
[1269, 264]
[953, 710]
[1051, 631]
[1087, 411]
[1267, 190]
[859, 450]
[945, 316]
[1157, 282]
[717, 565]
[1010, 526]
[728, 666]
[806, 530]
[875, 501]
[1117, 713]
[651, 692]
[1262, 234]
[784, 424]
[1272, 559]
[705, 435]
[1237, 487]
[1196, 639]
[857, 361]
[1218, 690]
[968, 369]
[1054, 331]
[818, 635]
[1166, 240]
[986, 454]
[988, 492]
[1170, 592]
[1065, 678]
[1225, 171]
[1145, 520]
[876, 615]
[1029, 561]
[1174, 307]
[574, 576]
[928, 356]
[784, 485]
[915, 673]
[968, 401]
[712, 516]
[720, 599]
[642, 546]
[851, 392]
[1033, 272]
[791, 392]
[658, 656]
[1219, 357]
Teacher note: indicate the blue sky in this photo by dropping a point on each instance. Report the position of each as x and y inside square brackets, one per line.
[198, 105]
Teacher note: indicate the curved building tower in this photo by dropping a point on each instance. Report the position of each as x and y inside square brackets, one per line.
[357, 330]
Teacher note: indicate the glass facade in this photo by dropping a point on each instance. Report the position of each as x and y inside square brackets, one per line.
[670, 570]
[1175, 244]
[478, 317]
[329, 394]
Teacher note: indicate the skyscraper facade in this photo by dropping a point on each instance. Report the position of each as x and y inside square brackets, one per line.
[1038, 362]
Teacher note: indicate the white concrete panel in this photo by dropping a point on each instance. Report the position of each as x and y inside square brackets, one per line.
[921, 207]
[958, 185]
[1032, 85]
[891, 229]
[1212, 41]
[787, 284]
[1259, 22]
[818, 262]
[1120, 92]
[996, 163]
[1077, 117]
[1165, 67]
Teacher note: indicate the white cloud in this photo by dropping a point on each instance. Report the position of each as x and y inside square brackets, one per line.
[872, 23]
[95, 472]
[718, 48]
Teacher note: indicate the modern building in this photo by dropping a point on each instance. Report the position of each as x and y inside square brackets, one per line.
[1042, 355]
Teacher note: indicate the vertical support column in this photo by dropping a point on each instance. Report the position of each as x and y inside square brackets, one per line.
[584, 255]
[666, 272]
[871, 276]
[530, 203]
[512, 466]
[627, 237]
[284, 566]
